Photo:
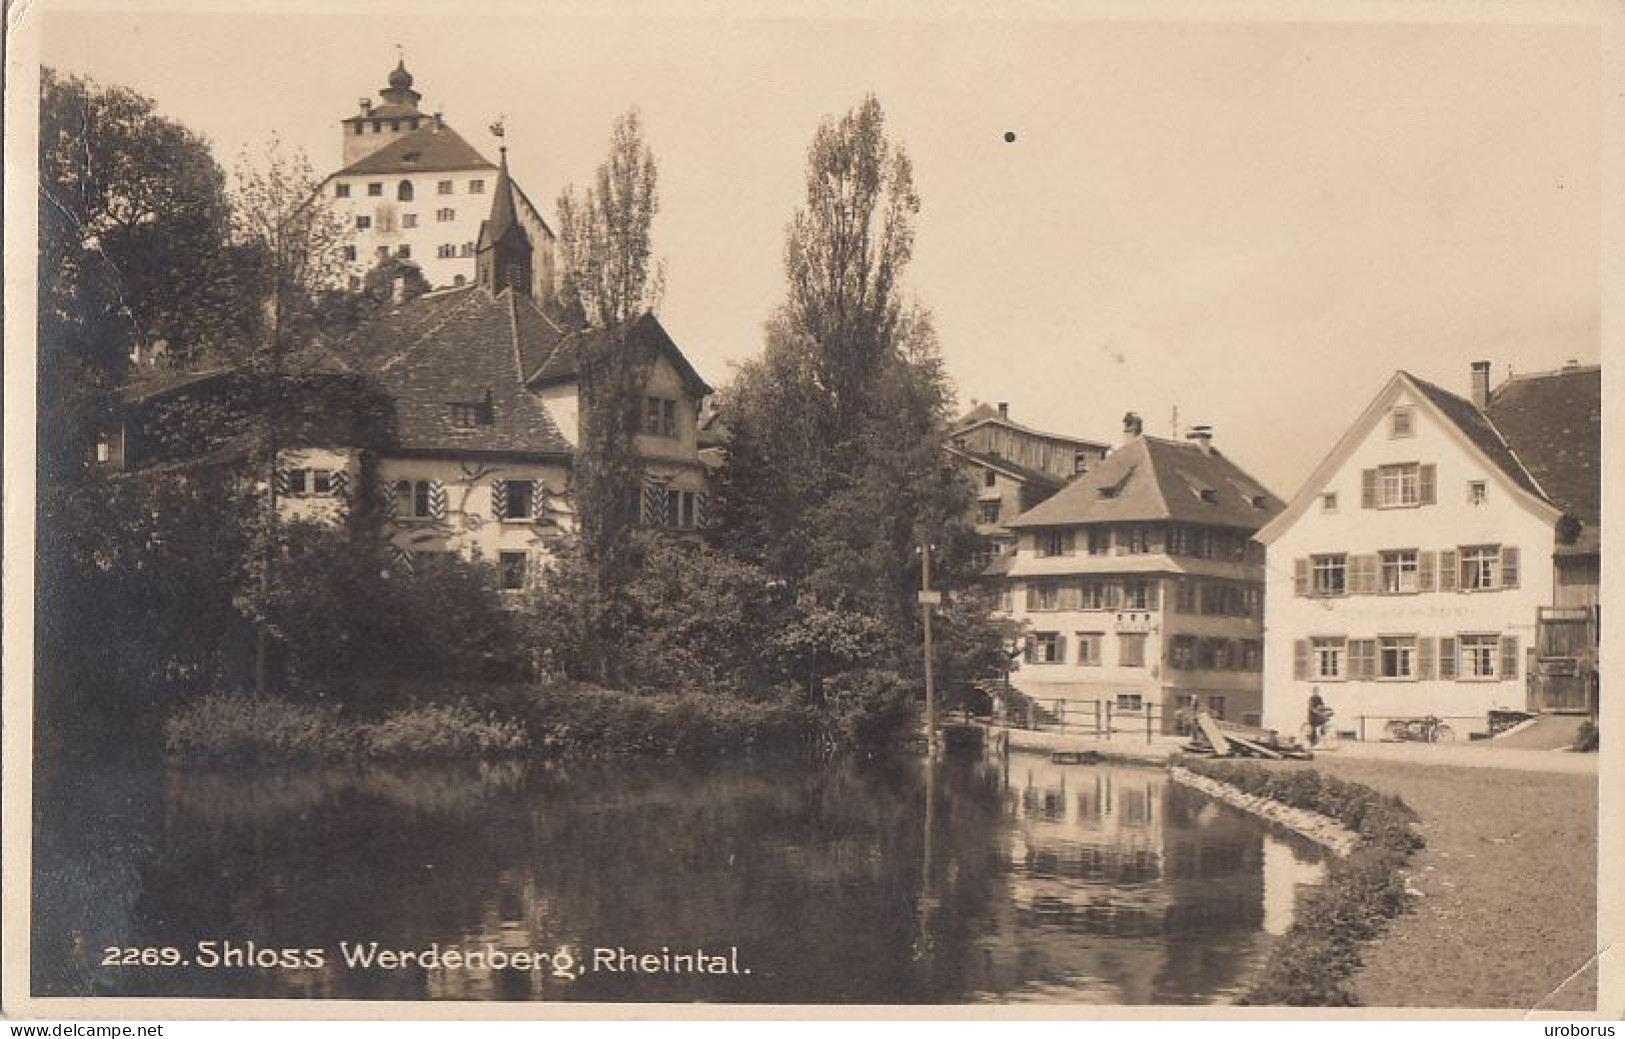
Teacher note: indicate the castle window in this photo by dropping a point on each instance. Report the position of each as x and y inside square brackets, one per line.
[363, 222]
[446, 252]
[383, 252]
[349, 252]
[403, 251]
[444, 187]
[445, 215]
[409, 220]
[377, 126]
[375, 188]
[467, 249]
[476, 187]
[403, 191]
[341, 191]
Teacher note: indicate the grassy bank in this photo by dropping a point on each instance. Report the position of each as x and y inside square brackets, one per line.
[1314, 961]
[1508, 882]
[565, 719]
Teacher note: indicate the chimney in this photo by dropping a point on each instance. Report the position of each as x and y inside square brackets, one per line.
[366, 105]
[1481, 384]
[439, 122]
[1203, 435]
[1004, 409]
[1132, 426]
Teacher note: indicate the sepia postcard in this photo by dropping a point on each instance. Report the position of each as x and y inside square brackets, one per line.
[1071, 510]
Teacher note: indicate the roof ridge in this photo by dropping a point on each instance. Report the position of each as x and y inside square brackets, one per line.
[513, 329]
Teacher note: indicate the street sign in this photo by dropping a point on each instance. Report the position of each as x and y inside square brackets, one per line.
[930, 598]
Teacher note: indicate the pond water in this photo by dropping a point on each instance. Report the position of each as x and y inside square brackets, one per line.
[970, 880]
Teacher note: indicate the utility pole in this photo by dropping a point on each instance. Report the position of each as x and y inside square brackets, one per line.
[928, 598]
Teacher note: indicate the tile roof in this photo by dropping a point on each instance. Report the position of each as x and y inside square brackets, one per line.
[563, 363]
[462, 346]
[1480, 430]
[1553, 422]
[1152, 479]
[432, 149]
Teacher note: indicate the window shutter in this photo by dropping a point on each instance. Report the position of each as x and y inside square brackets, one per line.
[702, 510]
[385, 490]
[279, 481]
[437, 500]
[1509, 566]
[1362, 575]
[1032, 643]
[340, 484]
[1300, 576]
[1368, 488]
[1509, 656]
[1447, 657]
[1300, 659]
[1424, 659]
[1114, 596]
[1071, 597]
[1427, 567]
[1447, 570]
[538, 501]
[1032, 597]
[1154, 541]
[1153, 594]
[1069, 542]
[655, 513]
[1427, 484]
[499, 500]
[1060, 649]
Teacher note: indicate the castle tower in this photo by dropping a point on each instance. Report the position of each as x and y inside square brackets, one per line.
[376, 126]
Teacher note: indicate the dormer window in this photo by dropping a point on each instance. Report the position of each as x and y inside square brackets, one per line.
[1402, 422]
[1207, 494]
[466, 415]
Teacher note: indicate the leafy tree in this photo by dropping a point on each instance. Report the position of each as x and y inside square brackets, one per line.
[609, 278]
[836, 474]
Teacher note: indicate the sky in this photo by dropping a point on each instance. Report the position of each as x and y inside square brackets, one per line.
[1252, 222]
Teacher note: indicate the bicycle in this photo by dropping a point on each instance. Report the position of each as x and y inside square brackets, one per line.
[1328, 737]
[1429, 729]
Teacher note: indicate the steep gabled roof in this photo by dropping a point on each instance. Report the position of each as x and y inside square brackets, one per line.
[1152, 479]
[462, 346]
[1553, 422]
[1475, 430]
[432, 149]
[563, 363]
[1478, 428]
[982, 415]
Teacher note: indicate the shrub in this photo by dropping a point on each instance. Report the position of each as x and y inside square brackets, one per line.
[1588, 739]
[443, 730]
[585, 719]
[1312, 962]
[255, 728]
[869, 708]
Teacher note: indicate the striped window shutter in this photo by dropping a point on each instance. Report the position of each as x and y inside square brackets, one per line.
[1427, 484]
[655, 513]
[1427, 571]
[1447, 657]
[499, 500]
[702, 510]
[1300, 660]
[538, 501]
[339, 481]
[1447, 570]
[1424, 658]
[1509, 656]
[401, 558]
[279, 481]
[1300, 576]
[1509, 566]
[385, 490]
[1368, 488]
[438, 506]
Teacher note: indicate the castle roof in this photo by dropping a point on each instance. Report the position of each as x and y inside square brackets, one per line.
[435, 148]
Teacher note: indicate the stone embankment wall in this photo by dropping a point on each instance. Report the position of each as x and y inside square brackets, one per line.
[1325, 831]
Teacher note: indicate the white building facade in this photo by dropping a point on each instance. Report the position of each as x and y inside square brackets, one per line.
[1405, 577]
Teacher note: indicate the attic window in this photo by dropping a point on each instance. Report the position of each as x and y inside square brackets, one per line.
[1207, 494]
[1259, 501]
[1109, 492]
[411, 156]
[465, 415]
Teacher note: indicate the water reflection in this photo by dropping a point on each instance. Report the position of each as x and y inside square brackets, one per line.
[838, 881]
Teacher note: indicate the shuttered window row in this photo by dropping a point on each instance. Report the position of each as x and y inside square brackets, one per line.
[1461, 658]
[1473, 568]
